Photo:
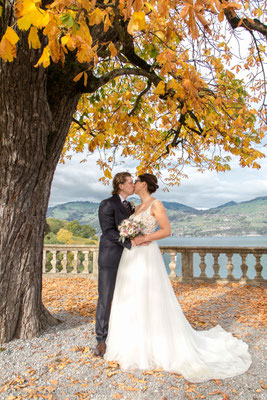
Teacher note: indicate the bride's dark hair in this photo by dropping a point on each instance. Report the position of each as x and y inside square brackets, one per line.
[151, 181]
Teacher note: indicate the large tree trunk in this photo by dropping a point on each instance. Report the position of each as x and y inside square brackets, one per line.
[35, 119]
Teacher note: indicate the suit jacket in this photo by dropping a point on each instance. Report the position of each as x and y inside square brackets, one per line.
[111, 213]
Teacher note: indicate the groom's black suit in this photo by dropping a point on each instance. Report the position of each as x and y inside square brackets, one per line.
[111, 213]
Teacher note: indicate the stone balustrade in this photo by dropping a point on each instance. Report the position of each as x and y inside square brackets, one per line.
[186, 263]
[64, 259]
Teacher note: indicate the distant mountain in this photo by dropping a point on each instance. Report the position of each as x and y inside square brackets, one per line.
[178, 206]
[229, 204]
[229, 219]
[83, 211]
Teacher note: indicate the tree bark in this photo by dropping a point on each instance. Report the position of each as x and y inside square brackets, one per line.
[36, 106]
[35, 119]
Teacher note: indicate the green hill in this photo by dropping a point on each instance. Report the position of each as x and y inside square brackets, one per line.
[230, 219]
[83, 211]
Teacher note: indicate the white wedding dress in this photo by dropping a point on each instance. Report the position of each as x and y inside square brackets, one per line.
[147, 327]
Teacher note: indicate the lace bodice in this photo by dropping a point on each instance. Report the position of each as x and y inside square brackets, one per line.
[148, 220]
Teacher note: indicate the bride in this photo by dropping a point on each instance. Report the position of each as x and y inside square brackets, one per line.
[147, 328]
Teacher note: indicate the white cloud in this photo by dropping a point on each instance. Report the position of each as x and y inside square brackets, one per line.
[75, 181]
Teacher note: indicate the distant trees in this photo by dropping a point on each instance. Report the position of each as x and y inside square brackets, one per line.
[64, 236]
[55, 224]
[84, 231]
[64, 232]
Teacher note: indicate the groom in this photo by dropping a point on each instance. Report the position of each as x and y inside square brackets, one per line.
[112, 212]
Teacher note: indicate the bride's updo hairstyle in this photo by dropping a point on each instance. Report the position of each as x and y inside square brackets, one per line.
[151, 181]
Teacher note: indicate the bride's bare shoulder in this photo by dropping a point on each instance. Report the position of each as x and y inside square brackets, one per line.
[157, 205]
[156, 202]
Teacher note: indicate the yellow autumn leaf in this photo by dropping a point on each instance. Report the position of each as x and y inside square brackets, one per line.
[45, 19]
[24, 23]
[229, 74]
[96, 17]
[7, 51]
[107, 23]
[11, 35]
[45, 58]
[32, 15]
[78, 77]
[173, 84]
[163, 8]
[65, 39]
[29, 5]
[160, 89]
[86, 4]
[184, 11]
[84, 34]
[149, 6]
[33, 38]
[85, 53]
[140, 85]
[85, 78]
[1, 10]
[112, 49]
[137, 22]
[107, 174]
[232, 4]
[221, 16]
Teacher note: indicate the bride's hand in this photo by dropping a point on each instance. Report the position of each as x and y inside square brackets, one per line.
[140, 241]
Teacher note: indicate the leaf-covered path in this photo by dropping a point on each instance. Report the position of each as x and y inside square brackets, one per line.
[59, 365]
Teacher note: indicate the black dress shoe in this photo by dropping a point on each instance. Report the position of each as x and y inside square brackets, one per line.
[100, 349]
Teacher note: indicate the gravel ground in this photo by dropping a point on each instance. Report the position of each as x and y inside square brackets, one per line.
[59, 365]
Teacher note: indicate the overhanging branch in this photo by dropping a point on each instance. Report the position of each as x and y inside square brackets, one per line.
[139, 98]
[248, 23]
[96, 83]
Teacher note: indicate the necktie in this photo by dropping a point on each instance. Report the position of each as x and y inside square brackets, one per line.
[126, 204]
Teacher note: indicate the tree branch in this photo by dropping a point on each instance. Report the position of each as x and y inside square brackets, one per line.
[249, 24]
[82, 127]
[96, 83]
[139, 98]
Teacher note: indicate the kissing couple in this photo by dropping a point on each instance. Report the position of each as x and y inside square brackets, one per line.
[145, 327]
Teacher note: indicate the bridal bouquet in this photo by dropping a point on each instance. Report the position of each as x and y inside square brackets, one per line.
[130, 228]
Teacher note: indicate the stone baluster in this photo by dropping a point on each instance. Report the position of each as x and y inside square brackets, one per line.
[75, 262]
[95, 264]
[244, 267]
[86, 262]
[54, 262]
[44, 261]
[258, 268]
[172, 265]
[202, 265]
[187, 265]
[64, 262]
[216, 266]
[229, 266]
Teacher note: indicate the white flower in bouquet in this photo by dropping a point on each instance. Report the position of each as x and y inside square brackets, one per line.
[130, 228]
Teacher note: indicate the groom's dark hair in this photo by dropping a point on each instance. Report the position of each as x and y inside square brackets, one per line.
[118, 179]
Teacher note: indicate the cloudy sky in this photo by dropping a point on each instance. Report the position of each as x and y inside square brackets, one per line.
[75, 181]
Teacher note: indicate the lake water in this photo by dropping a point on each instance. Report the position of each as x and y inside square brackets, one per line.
[257, 241]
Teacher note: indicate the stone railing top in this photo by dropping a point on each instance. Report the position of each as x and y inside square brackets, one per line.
[70, 246]
[209, 249]
[165, 247]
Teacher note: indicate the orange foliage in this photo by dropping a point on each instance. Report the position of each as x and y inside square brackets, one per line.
[186, 107]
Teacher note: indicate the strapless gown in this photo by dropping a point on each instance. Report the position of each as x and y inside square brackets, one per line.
[147, 327]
